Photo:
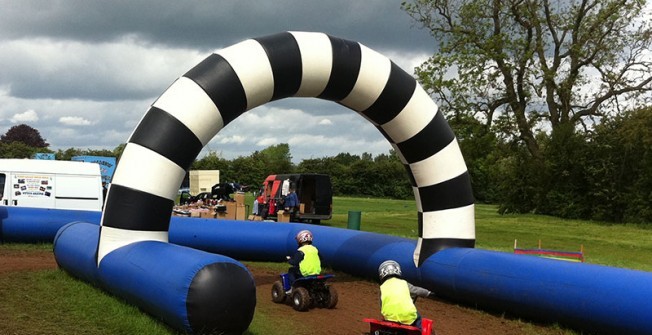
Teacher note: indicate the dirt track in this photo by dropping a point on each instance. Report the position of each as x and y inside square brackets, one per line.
[358, 299]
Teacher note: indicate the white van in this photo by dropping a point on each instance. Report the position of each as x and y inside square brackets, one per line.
[51, 184]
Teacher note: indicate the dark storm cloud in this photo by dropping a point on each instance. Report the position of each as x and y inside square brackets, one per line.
[207, 25]
[84, 72]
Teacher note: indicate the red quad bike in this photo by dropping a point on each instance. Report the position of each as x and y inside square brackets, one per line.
[377, 327]
[307, 292]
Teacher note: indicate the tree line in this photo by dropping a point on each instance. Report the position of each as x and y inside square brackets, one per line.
[603, 175]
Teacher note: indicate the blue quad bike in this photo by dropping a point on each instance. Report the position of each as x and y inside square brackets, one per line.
[305, 292]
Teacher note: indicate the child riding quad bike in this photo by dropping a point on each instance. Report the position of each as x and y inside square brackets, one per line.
[397, 298]
[305, 292]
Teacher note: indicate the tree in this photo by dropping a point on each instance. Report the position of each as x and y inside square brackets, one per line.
[17, 149]
[25, 134]
[621, 171]
[523, 66]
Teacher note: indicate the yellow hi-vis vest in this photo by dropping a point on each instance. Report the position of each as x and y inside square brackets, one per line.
[396, 302]
[310, 265]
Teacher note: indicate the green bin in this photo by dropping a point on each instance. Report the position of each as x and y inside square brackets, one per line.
[354, 220]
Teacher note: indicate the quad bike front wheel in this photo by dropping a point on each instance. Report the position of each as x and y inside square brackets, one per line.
[278, 294]
[301, 299]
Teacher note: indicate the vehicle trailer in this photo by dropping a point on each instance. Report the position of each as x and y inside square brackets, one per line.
[315, 193]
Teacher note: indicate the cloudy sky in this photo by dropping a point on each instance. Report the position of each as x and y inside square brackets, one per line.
[83, 73]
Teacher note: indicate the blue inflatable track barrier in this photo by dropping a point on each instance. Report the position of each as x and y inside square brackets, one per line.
[191, 290]
[588, 297]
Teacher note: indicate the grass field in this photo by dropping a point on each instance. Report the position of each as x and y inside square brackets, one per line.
[58, 304]
[626, 246]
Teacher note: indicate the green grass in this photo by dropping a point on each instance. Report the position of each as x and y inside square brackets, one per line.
[626, 246]
[51, 302]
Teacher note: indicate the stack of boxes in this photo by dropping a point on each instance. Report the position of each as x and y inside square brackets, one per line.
[233, 210]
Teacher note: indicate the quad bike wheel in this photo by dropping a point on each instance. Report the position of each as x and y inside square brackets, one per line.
[278, 294]
[332, 298]
[301, 299]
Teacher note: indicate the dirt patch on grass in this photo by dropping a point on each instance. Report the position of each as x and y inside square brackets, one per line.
[358, 299]
[20, 260]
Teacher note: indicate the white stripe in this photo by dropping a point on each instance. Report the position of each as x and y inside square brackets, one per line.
[249, 61]
[188, 102]
[114, 238]
[145, 170]
[317, 62]
[447, 164]
[417, 198]
[450, 223]
[372, 79]
[417, 252]
[416, 115]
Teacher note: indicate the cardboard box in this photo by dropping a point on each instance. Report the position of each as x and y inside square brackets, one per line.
[282, 216]
[240, 212]
[230, 210]
[302, 208]
[207, 215]
[239, 198]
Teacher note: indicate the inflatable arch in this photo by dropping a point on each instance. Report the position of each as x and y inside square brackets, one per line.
[190, 286]
[290, 64]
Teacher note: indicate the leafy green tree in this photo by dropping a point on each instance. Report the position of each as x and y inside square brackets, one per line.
[69, 153]
[621, 170]
[25, 134]
[18, 149]
[117, 151]
[527, 65]
[277, 159]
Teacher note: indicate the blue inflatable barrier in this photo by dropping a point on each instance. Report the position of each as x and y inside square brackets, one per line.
[182, 286]
[33, 225]
[75, 246]
[588, 297]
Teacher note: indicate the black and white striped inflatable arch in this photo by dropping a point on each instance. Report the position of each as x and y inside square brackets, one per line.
[290, 64]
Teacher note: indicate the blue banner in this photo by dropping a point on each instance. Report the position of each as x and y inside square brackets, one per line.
[107, 165]
[43, 155]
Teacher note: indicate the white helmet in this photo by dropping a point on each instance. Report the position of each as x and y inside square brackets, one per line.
[389, 268]
[304, 236]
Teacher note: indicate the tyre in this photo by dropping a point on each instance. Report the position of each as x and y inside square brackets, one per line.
[278, 294]
[332, 298]
[301, 299]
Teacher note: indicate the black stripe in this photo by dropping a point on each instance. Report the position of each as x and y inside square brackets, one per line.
[453, 193]
[413, 181]
[216, 76]
[285, 58]
[166, 135]
[346, 67]
[397, 93]
[131, 209]
[221, 299]
[429, 141]
[76, 198]
[431, 246]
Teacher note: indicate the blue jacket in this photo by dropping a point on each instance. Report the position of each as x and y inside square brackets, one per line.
[291, 200]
